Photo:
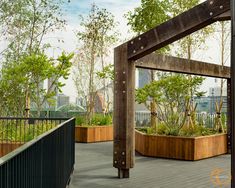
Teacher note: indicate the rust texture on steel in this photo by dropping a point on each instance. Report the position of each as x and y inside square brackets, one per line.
[176, 28]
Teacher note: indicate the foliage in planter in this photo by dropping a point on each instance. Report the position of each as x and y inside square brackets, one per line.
[175, 110]
[173, 95]
[97, 119]
[20, 132]
[162, 129]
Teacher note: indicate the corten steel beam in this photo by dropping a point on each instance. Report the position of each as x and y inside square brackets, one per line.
[232, 107]
[176, 28]
[124, 91]
[180, 65]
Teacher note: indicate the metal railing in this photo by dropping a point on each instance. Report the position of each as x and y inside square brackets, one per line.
[45, 162]
[142, 119]
[14, 132]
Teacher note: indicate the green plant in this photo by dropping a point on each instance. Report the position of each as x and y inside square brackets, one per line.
[163, 129]
[172, 94]
[80, 120]
[100, 119]
[97, 119]
[22, 132]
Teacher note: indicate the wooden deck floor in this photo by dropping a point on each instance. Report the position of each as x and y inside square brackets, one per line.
[93, 169]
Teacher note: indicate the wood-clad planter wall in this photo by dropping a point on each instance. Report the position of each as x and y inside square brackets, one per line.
[184, 148]
[93, 134]
[6, 148]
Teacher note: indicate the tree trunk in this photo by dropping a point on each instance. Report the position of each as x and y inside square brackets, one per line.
[153, 109]
[91, 99]
[27, 102]
[153, 122]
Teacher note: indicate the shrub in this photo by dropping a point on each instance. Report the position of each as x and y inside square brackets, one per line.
[197, 130]
[97, 119]
[21, 132]
[100, 119]
[80, 120]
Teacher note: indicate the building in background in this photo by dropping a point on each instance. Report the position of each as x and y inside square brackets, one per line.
[207, 104]
[215, 91]
[62, 100]
[143, 77]
[52, 104]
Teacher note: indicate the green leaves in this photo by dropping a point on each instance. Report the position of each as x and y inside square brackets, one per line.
[29, 74]
[107, 72]
[150, 14]
[25, 23]
[171, 94]
[169, 88]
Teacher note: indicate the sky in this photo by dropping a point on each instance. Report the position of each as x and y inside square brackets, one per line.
[72, 11]
[75, 8]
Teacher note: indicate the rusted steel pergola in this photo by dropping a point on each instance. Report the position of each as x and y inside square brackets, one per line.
[135, 53]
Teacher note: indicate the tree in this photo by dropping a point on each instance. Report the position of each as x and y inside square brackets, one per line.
[97, 35]
[223, 37]
[25, 23]
[172, 96]
[154, 12]
[107, 73]
[28, 76]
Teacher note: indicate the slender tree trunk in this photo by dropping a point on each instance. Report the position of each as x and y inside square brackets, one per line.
[104, 81]
[27, 103]
[222, 56]
[153, 108]
[91, 103]
[153, 121]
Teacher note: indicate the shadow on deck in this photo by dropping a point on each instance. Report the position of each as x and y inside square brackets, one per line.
[93, 169]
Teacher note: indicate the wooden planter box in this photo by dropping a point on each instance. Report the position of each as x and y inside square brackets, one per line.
[6, 148]
[184, 148]
[93, 134]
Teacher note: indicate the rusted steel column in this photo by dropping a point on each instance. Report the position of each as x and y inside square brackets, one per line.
[124, 89]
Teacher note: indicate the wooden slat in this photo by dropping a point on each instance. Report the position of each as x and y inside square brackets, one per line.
[180, 65]
[123, 156]
[177, 147]
[6, 148]
[176, 28]
[93, 134]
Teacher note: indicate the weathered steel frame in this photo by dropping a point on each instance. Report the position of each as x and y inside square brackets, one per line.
[200, 16]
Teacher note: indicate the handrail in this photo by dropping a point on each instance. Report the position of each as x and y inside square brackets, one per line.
[14, 153]
[47, 161]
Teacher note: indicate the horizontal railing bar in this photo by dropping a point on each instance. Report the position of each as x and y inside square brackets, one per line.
[17, 151]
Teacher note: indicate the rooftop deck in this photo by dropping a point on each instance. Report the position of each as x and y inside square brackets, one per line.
[93, 169]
